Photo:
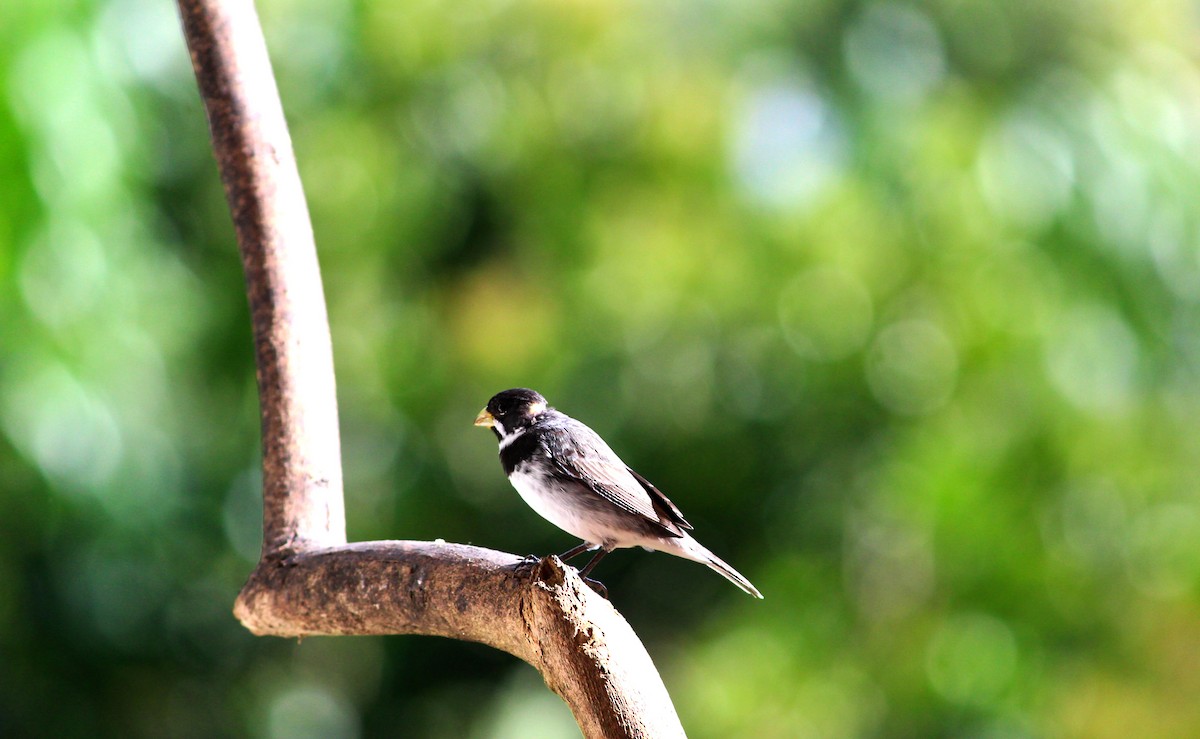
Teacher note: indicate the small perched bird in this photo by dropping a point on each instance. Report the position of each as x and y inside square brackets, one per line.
[571, 478]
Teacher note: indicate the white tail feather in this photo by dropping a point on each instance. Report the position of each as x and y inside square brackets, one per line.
[689, 548]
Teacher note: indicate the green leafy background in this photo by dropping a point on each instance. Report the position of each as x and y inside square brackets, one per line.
[899, 301]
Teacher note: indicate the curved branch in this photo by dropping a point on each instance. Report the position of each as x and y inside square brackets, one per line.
[302, 468]
[309, 581]
[541, 612]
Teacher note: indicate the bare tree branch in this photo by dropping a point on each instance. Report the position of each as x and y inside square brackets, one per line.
[542, 613]
[309, 581]
[302, 468]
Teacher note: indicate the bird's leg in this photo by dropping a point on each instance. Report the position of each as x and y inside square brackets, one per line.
[591, 565]
[596, 586]
[528, 562]
[576, 551]
[532, 559]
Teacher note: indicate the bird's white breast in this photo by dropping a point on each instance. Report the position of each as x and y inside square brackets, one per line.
[554, 502]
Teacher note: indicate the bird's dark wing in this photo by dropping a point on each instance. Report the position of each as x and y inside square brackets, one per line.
[580, 454]
[662, 504]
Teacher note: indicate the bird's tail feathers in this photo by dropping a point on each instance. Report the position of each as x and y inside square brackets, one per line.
[689, 548]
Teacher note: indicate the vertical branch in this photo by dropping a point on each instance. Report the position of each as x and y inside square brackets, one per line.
[302, 473]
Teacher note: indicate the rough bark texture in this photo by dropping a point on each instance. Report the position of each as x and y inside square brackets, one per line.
[309, 581]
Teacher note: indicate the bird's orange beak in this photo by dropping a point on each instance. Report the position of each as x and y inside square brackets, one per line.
[485, 419]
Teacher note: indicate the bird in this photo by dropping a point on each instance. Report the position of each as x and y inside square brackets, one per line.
[569, 476]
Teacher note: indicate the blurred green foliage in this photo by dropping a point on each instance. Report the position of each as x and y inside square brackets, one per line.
[897, 300]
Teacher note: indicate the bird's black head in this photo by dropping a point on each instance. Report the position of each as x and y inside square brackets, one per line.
[511, 410]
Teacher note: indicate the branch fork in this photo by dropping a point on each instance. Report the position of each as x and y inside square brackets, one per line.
[309, 581]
